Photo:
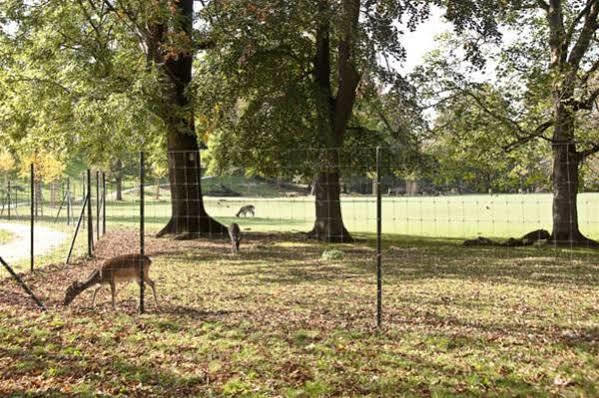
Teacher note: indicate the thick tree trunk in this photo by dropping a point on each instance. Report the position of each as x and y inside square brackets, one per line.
[157, 188]
[333, 115]
[118, 178]
[119, 188]
[188, 214]
[565, 67]
[565, 190]
[566, 163]
[188, 217]
[329, 223]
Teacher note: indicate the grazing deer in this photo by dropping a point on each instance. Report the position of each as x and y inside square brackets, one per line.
[119, 268]
[245, 210]
[235, 235]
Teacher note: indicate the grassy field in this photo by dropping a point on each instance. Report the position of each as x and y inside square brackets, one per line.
[441, 216]
[464, 217]
[279, 320]
[5, 236]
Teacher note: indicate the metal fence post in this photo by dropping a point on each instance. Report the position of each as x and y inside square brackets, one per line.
[97, 206]
[90, 222]
[379, 271]
[103, 203]
[32, 187]
[23, 285]
[141, 232]
[8, 196]
[68, 200]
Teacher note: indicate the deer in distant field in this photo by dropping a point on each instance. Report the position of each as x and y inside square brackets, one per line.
[235, 235]
[116, 269]
[245, 210]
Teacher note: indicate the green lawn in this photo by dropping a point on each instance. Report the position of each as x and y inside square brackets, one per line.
[442, 216]
[278, 320]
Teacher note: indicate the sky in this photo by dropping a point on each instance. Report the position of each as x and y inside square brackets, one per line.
[421, 41]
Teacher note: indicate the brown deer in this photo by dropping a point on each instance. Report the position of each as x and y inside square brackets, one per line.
[235, 235]
[120, 268]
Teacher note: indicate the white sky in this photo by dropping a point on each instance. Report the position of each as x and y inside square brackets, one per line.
[422, 41]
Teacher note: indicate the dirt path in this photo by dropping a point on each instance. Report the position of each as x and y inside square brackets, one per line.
[45, 239]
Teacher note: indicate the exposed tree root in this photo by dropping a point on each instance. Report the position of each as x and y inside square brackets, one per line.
[320, 233]
[204, 227]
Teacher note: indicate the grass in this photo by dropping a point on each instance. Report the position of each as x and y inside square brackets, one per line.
[279, 320]
[469, 216]
[5, 236]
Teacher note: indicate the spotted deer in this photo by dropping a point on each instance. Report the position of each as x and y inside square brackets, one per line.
[116, 269]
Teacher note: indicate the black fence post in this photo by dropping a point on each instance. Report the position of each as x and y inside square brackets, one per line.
[68, 200]
[90, 221]
[141, 232]
[379, 271]
[103, 203]
[23, 285]
[8, 197]
[77, 230]
[16, 201]
[32, 187]
[97, 206]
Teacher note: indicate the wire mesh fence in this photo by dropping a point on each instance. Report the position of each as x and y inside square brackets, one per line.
[329, 188]
[328, 194]
[46, 222]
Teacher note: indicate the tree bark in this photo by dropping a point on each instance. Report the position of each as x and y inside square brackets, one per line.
[333, 115]
[566, 159]
[566, 162]
[119, 187]
[188, 215]
[118, 179]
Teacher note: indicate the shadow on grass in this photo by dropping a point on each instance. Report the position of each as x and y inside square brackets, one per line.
[74, 366]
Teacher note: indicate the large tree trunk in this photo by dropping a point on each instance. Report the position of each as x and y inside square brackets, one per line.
[566, 163]
[565, 66]
[329, 223]
[188, 216]
[119, 187]
[119, 179]
[333, 115]
[565, 190]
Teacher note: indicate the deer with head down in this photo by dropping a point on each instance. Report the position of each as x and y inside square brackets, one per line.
[116, 269]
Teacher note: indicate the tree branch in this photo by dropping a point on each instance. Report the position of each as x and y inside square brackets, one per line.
[586, 35]
[576, 20]
[522, 136]
[543, 5]
[538, 133]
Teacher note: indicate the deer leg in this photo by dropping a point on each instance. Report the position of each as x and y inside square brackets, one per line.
[94, 297]
[152, 285]
[112, 291]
